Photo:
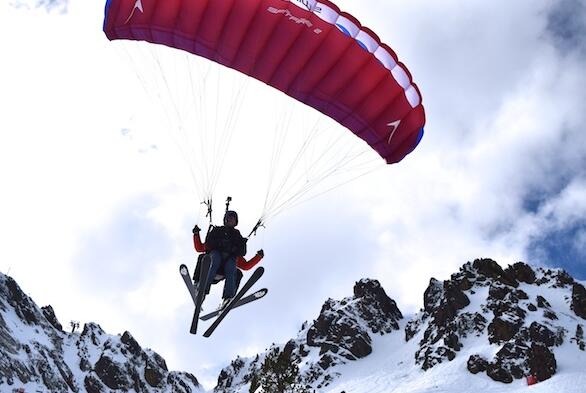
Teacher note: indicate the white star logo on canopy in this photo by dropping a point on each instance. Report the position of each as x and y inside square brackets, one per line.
[137, 5]
[394, 125]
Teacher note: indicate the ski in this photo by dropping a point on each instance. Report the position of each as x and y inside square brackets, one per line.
[203, 279]
[253, 279]
[245, 300]
[188, 283]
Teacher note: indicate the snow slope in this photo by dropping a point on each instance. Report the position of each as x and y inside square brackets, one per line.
[37, 355]
[482, 327]
[520, 321]
[391, 368]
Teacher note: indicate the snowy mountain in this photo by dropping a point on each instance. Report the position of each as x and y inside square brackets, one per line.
[341, 334]
[37, 355]
[485, 329]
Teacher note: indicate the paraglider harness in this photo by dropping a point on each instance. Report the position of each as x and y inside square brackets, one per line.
[220, 274]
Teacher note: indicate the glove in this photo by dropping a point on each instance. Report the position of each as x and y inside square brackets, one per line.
[195, 229]
[260, 253]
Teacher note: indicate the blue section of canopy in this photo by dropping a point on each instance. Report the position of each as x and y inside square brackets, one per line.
[106, 9]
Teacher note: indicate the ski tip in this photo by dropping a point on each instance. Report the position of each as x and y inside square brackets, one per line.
[184, 270]
[261, 293]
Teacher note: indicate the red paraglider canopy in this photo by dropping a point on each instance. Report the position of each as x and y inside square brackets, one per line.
[307, 49]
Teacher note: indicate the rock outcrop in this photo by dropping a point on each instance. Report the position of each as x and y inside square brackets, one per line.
[526, 316]
[35, 350]
[511, 310]
[341, 333]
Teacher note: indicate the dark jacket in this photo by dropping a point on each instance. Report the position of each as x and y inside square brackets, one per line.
[226, 240]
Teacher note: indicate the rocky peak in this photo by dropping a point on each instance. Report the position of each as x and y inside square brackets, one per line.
[511, 308]
[525, 312]
[489, 270]
[50, 316]
[342, 332]
[521, 272]
[13, 298]
[442, 302]
[36, 352]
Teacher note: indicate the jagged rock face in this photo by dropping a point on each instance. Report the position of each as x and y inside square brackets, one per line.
[477, 364]
[508, 318]
[342, 332]
[445, 324]
[432, 295]
[92, 361]
[374, 306]
[14, 304]
[541, 361]
[521, 272]
[489, 269]
[49, 314]
[340, 329]
[336, 331]
[525, 326]
[579, 338]
[24, 307]
[555, 278]
[112, 374]
[527, 313]
[579, 300]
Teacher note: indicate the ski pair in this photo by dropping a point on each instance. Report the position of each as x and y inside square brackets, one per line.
[237, 301]
[245, 300]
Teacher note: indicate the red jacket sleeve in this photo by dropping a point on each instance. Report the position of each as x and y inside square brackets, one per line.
[199, 246]
[243, 264]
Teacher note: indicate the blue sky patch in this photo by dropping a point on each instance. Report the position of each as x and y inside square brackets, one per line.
[566, 24]
[537, 196]
[564, 248]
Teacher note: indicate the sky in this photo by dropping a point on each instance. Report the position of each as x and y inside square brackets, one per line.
[97, 208]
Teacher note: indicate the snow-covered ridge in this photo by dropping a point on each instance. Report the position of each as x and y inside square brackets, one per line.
[342, 333]
[484, 329]
[517, 317]
[480, 329]
[38, 356]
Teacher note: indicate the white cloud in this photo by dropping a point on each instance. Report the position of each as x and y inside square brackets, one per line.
[504, 127]
[85, 191]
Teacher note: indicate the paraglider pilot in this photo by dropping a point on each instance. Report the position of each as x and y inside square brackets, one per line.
[226, 248]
